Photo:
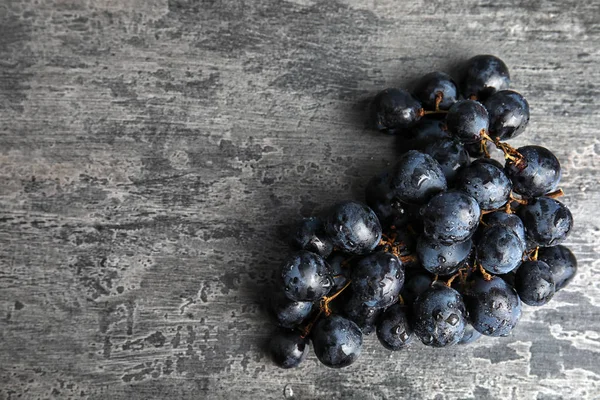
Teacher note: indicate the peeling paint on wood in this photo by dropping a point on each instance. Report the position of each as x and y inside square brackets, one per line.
[149, 151]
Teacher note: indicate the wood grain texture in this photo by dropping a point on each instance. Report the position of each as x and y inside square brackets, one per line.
[149, 150]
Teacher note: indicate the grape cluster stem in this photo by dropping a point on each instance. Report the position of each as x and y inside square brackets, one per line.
[510, 153]
[324, 309]
[486, 276]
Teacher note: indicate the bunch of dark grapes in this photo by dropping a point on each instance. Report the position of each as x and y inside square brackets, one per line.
[450, 242]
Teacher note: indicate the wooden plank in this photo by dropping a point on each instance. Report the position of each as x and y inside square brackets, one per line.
[150, 149]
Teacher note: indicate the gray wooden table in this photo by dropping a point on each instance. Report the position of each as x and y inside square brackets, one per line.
[150, 149]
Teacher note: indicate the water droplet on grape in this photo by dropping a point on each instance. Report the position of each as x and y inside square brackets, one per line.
[453, 319]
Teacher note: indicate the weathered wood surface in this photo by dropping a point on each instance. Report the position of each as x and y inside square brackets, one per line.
[150, 149]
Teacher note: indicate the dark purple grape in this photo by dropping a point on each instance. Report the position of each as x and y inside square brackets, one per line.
[443, 259]
[562, 262]
[487, 183]
[450, 217]
[435, 84]
[416, 177]
[509, 114]
[511, 221]
[288, 348]
[494, 306]
[309, 234]
[539, 172]
[353, 227]
[467, 121]
[289, 313]
[484, 75]
[306, 277]
[395, 110]
[439, 316]
[500, 250]
[534, 283]
[393, 329]
[377, 279]
[337, 341]
[547, 222]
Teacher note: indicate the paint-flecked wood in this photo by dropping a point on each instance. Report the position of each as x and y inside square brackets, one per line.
[149, 151]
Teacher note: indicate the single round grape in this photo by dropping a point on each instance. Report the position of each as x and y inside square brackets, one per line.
[470, 335]
[450, 154]
[534, 283]
[424, 132]
[306, 277]
[377, 279]
[547, 222]
[393, 329]
[467, 121]
[539, 172]
[380, 197]
[509, 114]
[562, 262]
[288, 348]
[439, 316]
[500, 250]
[416, 177]
[494, 306]
[289, 313]
[395, 110]
[435, 84]
[450, 217]
[337, 341]
[309, 234]
[511, 221]
[485, 74]
[414, 286]
[353, 227]
[443, 259]
[487, 183]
